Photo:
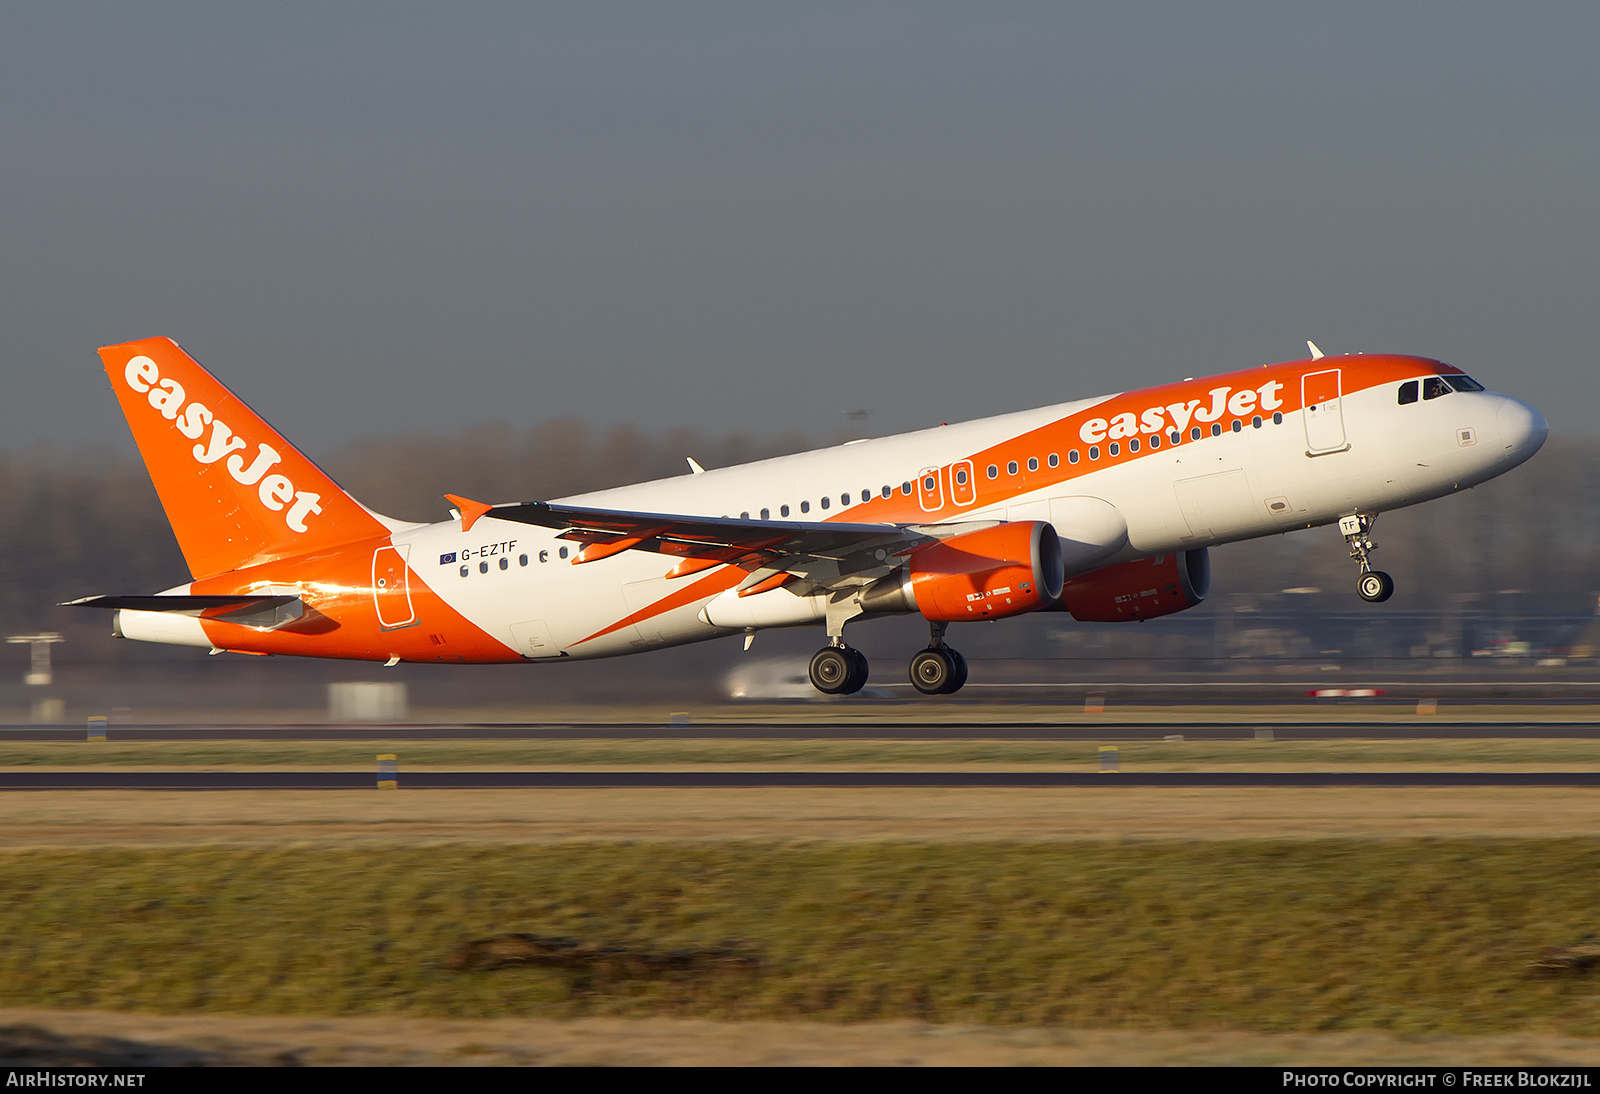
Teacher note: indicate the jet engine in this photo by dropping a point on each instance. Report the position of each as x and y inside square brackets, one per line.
[992, 573]
[1142, 589]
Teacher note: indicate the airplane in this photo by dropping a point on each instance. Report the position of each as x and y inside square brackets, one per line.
[1103, 508]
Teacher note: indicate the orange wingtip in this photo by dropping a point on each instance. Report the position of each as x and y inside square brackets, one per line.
[470, 510]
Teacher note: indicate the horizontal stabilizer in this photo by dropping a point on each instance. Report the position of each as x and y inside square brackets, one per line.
[268, 612]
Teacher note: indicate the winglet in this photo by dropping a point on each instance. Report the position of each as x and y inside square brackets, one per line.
[470, 510]
[1316, 354]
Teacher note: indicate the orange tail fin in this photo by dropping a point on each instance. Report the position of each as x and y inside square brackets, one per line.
[235, 491]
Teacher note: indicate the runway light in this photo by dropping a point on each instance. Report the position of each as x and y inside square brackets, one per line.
[388, 772]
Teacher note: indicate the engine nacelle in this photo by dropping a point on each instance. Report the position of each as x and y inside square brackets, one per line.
[1142, 589]
[988, 574]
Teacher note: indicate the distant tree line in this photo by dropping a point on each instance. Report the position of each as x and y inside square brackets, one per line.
[77, 525]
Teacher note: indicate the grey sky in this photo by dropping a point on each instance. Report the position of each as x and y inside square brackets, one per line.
[368, 218]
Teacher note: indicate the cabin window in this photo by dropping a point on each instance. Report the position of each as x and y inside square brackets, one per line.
[1094, 452]
[483, 567]
[1072, 457]
[1176, 437]
[1433, 387]
[1155, 440]
[805, 507]
[905, 488]
[1194, 434]
[1133, 444]
[463, 571]
[1114, 449]
[766, 514]
[783, 510]
[522, 560]
[866, 495]
[1053, 460]
[826, 501]
[1256, 422]
[544, 556]
[1237, 425]
[888, 491]
[993, 472]
[1216, 429]
[562, 552]
[1277, 417]
[505, 564]
[1033, 463]
[745, 515]
[1011, 467]
[1408, 392]
[961, 477]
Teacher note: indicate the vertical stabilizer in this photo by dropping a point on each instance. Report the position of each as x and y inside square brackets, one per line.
[235, 491]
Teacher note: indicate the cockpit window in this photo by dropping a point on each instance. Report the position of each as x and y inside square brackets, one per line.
[1464, 383]
[1433, 387]
[1408, 392]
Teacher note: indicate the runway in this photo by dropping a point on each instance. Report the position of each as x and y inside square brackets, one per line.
[558, 780]
[1102, 729]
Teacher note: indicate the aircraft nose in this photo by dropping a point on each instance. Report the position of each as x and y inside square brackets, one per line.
[1522, 429]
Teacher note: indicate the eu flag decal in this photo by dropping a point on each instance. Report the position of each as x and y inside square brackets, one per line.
[445, 560]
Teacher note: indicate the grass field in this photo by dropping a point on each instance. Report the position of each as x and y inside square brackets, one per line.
[1102, 924]
[1421, 936]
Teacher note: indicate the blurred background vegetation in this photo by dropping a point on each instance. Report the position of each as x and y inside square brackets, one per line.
[1502, 579]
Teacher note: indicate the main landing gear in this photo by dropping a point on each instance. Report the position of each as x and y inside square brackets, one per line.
[938, 670]
[1373, 586]
[838, 669]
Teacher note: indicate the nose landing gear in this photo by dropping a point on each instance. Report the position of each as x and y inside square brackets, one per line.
[1373, 586]
[938, 670]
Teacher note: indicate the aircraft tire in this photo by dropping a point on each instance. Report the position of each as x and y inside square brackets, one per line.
[934, 670]
[958, 678]
[837, 670]
[1375, 586]
[858, 671]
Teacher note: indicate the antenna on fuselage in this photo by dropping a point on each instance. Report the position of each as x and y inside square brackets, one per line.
[695, 468]
[1316, 354]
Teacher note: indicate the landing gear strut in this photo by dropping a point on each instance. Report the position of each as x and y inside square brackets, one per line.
[938, 670]
[837, 669]
[1373, 586]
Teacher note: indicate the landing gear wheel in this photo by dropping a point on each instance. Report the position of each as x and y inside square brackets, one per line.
[932, 671]
[838, 670]
[1375, 586]
[959, 678]
[858, 671]
[938, 670]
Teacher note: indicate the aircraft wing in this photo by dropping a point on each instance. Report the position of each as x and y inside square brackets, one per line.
[826, 555]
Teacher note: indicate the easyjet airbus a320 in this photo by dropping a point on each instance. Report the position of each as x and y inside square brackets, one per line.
[1103, 508]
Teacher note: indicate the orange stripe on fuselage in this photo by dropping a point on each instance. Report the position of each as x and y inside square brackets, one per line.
[708, 586]
[341, 618]
[1061, 436]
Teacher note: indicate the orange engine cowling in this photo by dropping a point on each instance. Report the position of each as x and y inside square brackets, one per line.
[1142, 589]
[988, 574]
